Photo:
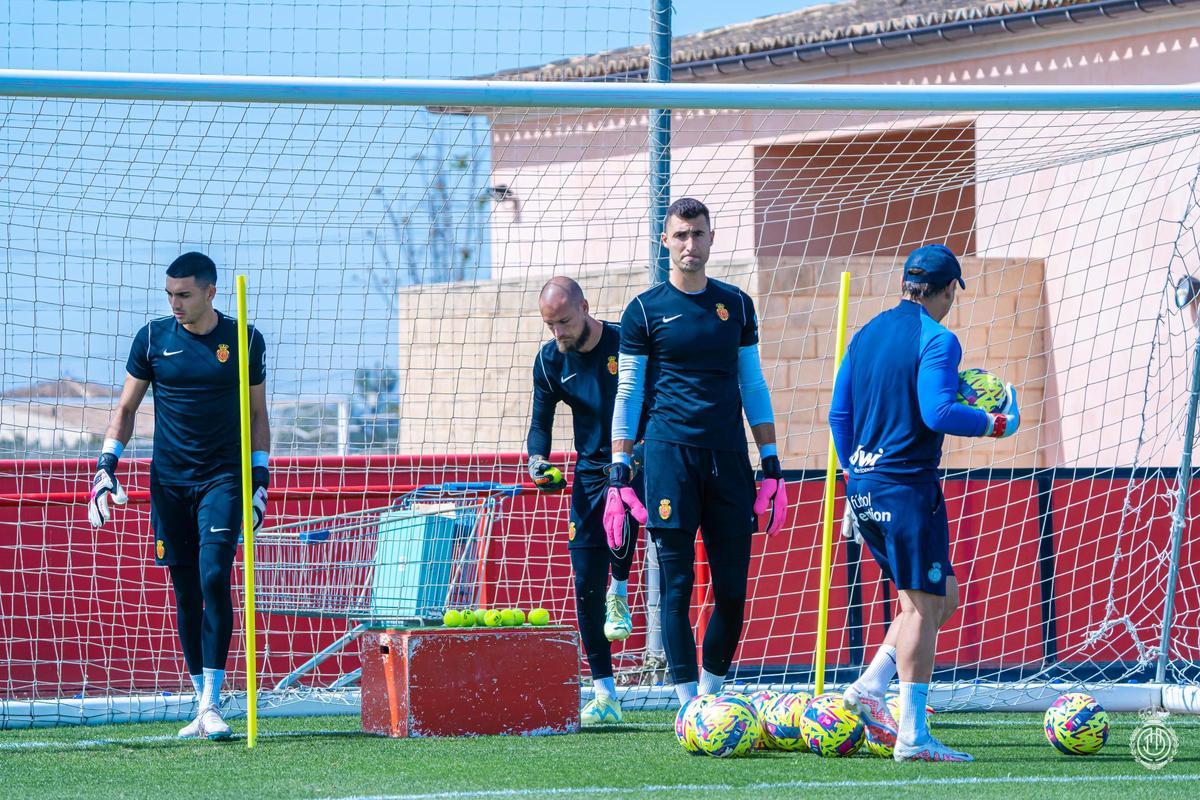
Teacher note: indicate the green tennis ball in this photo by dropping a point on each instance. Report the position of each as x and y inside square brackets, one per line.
[554, 474]
[479, 615]
[452, 619]
[491, 618]
[507, 619]
[468, 619]
[539, 616]
[518, 616]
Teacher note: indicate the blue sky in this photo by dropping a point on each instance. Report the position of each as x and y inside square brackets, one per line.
[97, 209]
[417, 38]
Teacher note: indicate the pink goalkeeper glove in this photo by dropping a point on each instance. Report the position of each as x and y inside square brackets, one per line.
[621, 500]
[772, 495]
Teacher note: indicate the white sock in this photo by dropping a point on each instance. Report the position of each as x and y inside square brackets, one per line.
[213, 678]
[686, 692]
[913, 697]
[605, 687]
[709, 683]
[620, 588]
[879, 672]
[197, 683]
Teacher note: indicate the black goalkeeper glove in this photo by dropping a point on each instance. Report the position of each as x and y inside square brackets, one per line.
[104, 484]
[260, 479]
[546, 477]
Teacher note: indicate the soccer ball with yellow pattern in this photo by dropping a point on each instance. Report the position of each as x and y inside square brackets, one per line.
[780, 721]
[760, 700]
[980, 389]
[685, 723]
[726, 728]
[1076, 724]
[831, 729]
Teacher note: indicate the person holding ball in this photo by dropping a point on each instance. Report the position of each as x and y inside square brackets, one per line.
[579, 367]
[894, 401]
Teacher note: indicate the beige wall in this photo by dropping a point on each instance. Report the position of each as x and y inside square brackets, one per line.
[468, 356]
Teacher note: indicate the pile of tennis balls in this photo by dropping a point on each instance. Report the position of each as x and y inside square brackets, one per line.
[494, 618]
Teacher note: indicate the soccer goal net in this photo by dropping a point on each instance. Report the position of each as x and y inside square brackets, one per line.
[395, 240]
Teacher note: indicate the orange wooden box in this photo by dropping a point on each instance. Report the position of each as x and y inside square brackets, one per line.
[468, 682]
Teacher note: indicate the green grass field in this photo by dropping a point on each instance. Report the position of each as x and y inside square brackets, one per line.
[330, 757]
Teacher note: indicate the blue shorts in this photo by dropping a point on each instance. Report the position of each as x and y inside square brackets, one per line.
[906, 529]
[695, 487]
[187, 516]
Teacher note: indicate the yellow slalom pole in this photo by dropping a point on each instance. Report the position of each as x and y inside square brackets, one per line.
[247, 518]
[831, 467]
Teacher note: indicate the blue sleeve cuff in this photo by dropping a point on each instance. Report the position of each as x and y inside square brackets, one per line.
[259, 458]
[631, 393]
[756, 397]
[768, 450]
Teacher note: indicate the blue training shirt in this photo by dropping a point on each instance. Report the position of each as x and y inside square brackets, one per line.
[691, 342]
[587, 383]
[197, 416]
[895, 397]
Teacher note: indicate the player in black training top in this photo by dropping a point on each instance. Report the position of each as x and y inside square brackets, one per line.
[689, 350]
[191, 359]
[579, 367]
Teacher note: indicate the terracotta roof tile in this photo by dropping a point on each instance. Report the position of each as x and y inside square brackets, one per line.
[828, 22]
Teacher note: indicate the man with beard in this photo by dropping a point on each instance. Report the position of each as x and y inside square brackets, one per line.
[579, 367]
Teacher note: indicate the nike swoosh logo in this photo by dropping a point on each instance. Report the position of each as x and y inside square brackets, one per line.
[216, 530]
[572, 375]
[171, 352]
[668, 319]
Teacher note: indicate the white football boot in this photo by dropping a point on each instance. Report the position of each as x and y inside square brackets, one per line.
[191, 730]
[603, 710]
[928, 749]
[212, 727]
[873, 710]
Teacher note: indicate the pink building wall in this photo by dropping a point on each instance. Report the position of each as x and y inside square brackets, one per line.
[1077, 193]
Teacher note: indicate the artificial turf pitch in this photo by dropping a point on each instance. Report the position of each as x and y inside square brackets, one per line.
[329, 757]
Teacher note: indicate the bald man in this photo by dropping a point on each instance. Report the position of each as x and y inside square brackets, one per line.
[579, 367]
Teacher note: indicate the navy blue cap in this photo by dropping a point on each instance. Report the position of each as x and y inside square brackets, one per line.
[940, 265]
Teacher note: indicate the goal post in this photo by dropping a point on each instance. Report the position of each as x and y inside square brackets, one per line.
[396, 234]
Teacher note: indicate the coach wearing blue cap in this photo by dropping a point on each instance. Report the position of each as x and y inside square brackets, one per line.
[894, 400]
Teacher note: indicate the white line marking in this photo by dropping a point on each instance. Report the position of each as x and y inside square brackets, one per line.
[89, 744]
[746, 789]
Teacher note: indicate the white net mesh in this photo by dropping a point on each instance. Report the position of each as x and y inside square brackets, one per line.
[394, 256]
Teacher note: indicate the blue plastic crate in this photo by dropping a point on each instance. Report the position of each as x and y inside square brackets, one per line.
[412, 563]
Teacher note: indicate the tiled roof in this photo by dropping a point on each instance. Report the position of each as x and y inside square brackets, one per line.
[836, 22]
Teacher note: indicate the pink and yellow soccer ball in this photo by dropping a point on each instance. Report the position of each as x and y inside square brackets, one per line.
[726, 728]
[1076, 724]
[831, 729]
[760, 700]
[685, 723]
[781, 722]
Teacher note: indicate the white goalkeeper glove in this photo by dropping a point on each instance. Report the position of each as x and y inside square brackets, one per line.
[104, 484]
[850, 531]
[1007, 419]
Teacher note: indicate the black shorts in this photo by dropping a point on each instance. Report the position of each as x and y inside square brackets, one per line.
[184, 517]
[694, 487]
[907, 531]
[589, 492]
